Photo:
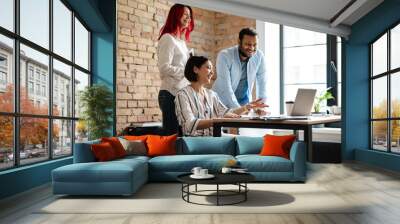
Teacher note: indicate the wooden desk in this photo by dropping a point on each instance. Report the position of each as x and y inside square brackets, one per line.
[305, 125]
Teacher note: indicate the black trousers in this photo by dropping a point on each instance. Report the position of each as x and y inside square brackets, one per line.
[167, 106]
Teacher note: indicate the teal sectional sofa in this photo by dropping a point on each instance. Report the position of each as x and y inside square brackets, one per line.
[125, 176]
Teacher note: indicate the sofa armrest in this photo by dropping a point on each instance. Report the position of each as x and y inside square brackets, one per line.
[83, 152]
[298, 157]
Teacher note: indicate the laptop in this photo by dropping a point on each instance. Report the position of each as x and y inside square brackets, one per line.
[303, 102]
[302, 106]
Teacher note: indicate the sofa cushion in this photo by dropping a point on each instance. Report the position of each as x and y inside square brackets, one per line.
[248, 145]
[134, 147]
[103, 152]
[206, 145]
[161, 145]
[112, 171]
[135, 137]
[93, 172]
[275, 145]
[185, 163]
[116, 145]
[257, 163]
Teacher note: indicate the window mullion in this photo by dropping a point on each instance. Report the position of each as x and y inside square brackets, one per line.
[50, 81]
[331, 72]
[371, 91]
[73, 81]
[281, 70]
[16, 84]
[389, 112]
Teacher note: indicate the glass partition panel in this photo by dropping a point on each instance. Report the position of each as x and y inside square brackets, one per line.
[81, 45]
[6, 74]
[34, 78]
[62, 29]
[395, 95]
[379, 98]
[395, 47]
[395, 136]
[7, 14]
[81, 82]
[6, 142]
[35, 21]
[34, 144]
[62, 138]
[379, 56]
[379, 135]
[62, 89]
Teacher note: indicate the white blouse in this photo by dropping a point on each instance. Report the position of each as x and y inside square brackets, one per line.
[190, 109]
[172, 57]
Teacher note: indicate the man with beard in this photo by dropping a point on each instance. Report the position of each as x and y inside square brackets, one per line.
[238, 67]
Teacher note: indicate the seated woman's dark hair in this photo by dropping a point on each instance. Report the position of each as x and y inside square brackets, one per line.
[194, 61]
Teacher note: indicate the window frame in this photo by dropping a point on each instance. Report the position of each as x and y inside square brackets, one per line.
[331, 75]
[16, 114]
[388, 74]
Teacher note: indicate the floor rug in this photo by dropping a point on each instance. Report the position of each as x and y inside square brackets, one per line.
[167, 198]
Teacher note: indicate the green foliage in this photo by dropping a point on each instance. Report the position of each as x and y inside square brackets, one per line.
[97, 102]
[325, 95]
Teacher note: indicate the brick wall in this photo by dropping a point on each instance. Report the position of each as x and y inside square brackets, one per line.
[227, 29]
[139, 23]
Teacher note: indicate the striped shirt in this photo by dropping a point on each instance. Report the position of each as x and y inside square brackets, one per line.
[191, 109]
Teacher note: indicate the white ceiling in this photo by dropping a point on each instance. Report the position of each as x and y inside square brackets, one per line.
[313, 15]
[321, 9]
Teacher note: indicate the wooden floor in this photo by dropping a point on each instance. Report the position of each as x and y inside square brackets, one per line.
[378, 189]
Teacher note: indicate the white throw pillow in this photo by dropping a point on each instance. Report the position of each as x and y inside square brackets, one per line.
[135, 147]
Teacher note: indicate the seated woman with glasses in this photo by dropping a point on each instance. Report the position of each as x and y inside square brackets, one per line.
[196, 106]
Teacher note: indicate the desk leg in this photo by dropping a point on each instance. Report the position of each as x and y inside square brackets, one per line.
[217, 130]
[308, 142]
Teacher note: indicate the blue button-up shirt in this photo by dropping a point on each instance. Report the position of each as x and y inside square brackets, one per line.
[229, 73]
[242, 91]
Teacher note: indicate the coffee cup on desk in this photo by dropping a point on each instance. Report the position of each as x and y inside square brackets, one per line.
[289, 107]
[336, 110]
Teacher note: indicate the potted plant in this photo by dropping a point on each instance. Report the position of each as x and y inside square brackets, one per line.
[322, 98]
[96, 102]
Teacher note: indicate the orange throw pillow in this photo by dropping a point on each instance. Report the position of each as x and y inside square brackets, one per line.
[161, 145]
[134, 138]
[277, 145]
[116, 145]
[103, 152]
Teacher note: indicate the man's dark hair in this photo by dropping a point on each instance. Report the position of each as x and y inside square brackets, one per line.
[194, 61]
[247, 31]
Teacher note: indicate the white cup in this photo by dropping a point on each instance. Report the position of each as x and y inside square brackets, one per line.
[226, 170]
[203, 172]
[336, 110]
[289, 107]
[196, 171]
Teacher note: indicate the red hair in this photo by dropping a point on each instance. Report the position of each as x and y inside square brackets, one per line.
[173, 23]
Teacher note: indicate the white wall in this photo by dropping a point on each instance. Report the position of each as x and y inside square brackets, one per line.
[269, 43]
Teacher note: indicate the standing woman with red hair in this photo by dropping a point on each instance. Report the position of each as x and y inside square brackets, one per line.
[172, 57]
